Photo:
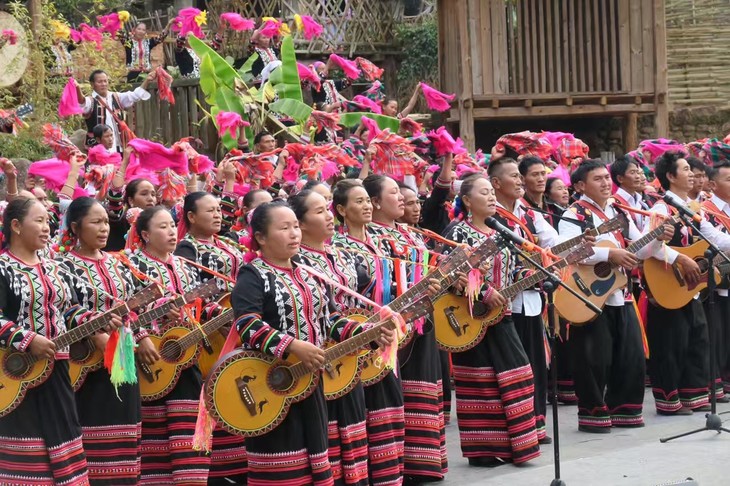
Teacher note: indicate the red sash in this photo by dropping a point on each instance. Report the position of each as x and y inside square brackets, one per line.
[592, 207]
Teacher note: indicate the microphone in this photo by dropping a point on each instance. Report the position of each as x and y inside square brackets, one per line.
[509, 234]
[679, 206]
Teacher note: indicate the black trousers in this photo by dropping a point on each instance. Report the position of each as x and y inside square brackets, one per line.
[608, 368]
[679, 364]
[720, 327]
[530, 330]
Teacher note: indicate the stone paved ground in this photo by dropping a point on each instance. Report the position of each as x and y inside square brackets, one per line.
[626, 457]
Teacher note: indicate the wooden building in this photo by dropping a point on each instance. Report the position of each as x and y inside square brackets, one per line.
[536, 59]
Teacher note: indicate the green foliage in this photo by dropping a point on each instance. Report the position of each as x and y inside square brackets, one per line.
[77, 11]
[297, 110]
[286, 79]
[27, 145]
[223, 71]
[419, 47]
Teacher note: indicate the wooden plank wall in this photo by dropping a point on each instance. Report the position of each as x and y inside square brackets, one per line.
[697, 51]
[535, 47]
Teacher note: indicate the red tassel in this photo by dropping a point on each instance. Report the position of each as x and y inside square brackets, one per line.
[111, 347]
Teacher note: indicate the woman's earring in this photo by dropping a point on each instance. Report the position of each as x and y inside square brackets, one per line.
[377, 206]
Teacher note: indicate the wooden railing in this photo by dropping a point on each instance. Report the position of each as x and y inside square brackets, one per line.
[165, 123]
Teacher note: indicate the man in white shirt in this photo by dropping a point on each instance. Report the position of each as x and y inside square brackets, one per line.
[607, 353]
[107, 108]
[527, 306]
[628, 177]
[717, 212]
[678, 338]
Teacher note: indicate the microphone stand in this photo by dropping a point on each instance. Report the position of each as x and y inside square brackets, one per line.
[549, 286]
[713, 421]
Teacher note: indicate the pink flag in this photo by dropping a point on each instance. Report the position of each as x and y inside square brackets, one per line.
[53, 171]
[99, 155]
[236, 22]
[92, 34]
[228, 121]
[306, 73]
[110, 23]
[310, 27]
[372, 127]
[368, 103]
[444, 143]
[435, 99]
[270, 28]
[348, 67]
[149, 158]
[69, 105]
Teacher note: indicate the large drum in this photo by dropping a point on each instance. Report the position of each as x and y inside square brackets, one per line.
[13, 59]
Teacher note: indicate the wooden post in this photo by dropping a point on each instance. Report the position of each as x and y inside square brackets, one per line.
[36, 17]
[631, 128]
[466, 104]
[661, 87]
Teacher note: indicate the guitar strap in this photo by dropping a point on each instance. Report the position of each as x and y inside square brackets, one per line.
[517, 221]
[712, 210]
[590, 207]
[636, 217]
[683, 240]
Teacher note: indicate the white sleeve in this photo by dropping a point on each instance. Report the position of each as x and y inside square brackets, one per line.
[87, 105]
[129, 98]
[662, 251]
[722, 240]
[546, 234]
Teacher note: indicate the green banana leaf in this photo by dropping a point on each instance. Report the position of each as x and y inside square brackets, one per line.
[209, 82]
[286, 78]
[297, 110]
[224, 71]
[245, 70]
[353, 120]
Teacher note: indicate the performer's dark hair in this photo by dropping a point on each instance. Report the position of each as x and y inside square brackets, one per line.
[18, 209]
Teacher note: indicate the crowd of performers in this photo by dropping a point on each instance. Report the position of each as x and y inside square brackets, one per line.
[132, 214]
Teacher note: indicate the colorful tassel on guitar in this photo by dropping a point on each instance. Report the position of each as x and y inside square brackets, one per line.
[123, 369]
[400, 277]
[378, 286]
[425, 259]
[386, 281]
[389, 353]
[110, 350]
[473, 286]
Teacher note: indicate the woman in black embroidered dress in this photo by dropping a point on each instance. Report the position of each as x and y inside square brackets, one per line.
[40, 441]
[200, 224]
[110, 418]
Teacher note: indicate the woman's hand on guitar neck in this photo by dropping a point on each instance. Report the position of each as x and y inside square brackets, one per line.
[434, 287]
[387, 337]
[99, 340]
[146, 352]
[308, 353]
[495, 300]
[690, 270]
[42, 348]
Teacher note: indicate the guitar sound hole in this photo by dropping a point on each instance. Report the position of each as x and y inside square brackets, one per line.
[171, 350]
[602, 270]
[280, 379]
[479, 309]
[80, 351]
[16, 365]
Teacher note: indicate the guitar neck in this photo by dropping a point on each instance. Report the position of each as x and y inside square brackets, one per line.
[354, 343]
[531, 281]
[157, 312]
[568, 244]
[88, 329]
[206, 329]
[648, 238]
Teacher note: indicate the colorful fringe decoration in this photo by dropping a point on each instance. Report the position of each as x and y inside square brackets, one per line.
[237, 22]
[308, 26]
[348, 67]
[323, 119]
[164, 85]
[435, 99]
[197, 163]
[58, 142]
[100, 177]
[172, 186]
[123, 368]
[389, 353]
[473, 286]
[525, 143]
[386, 281]
[370, 71]
[69, 105]
[110, 350]
[229, 122]
[395, 156]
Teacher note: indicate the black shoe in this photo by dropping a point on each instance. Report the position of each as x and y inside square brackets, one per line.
[724, 399]
[416, 480]
[545, 440]
[592, 429]
[703, 408]
[681, 411]
[629, 426]
[485, 461]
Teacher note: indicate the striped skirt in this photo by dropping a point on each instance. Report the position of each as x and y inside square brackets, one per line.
[425, 439]
[40, 441]
[228, 461]
[385, 430]
[348, 443]
[295, 452]
[111, 429]
[494, 397]
[168, 426]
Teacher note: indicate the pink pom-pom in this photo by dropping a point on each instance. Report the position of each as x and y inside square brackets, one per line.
[435, 99]
[444, 143]
[368, 103]
[348, 67]
[185, 23]
[372, 127]
[99, 155]
[306, 73]
[271, 28]
[311, 28]
[92, 34]
[69, 105]
[229, 122]
[110, 23]
[236, 22]
[76, 36]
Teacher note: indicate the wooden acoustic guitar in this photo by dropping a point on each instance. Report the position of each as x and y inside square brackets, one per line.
[666, 283]
[213, 344]
[179, 347]
[84, 358]
[458, 330]
[342, 374]
[596, 282]
[249, 393]
[21, 371]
